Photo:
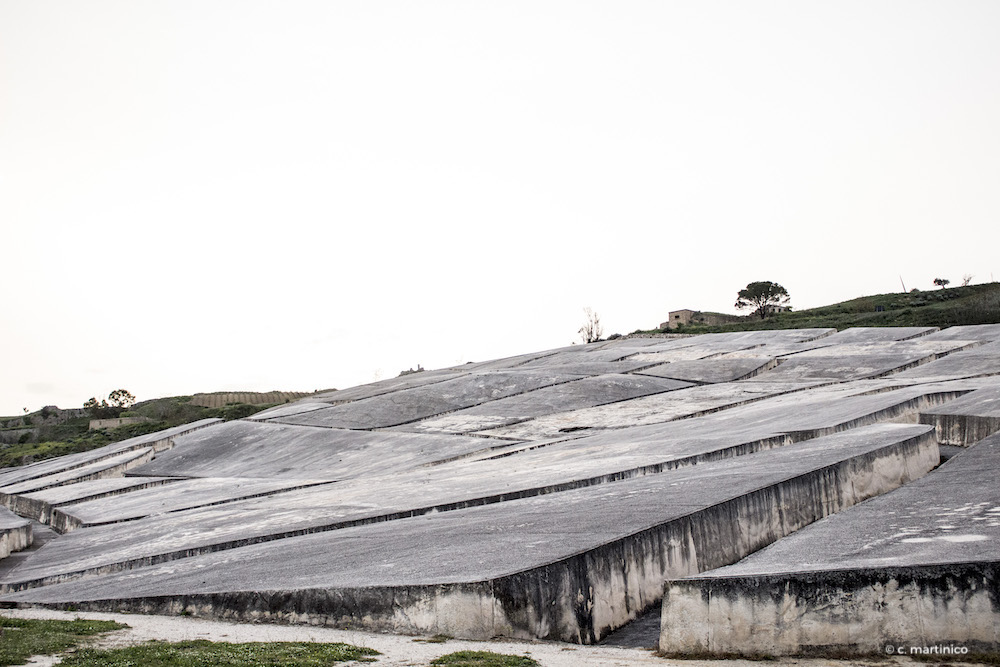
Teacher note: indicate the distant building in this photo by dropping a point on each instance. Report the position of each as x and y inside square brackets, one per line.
[686, 317]
[677, 318]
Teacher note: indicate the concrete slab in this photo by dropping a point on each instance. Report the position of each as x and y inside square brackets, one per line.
[581, 393]
[288, 410]
[38, 505]
[980, 332]
[915, 567]
[972, 362]
[711, 371]
[113, 466]
[413, 404]
[15, 533]
[879, 334]
[656, 409]
[845, 368]
[966, 420]
[561, 466]
[525, 567]
[387, 386]
[736, 411]
[186, 494]
[158, 441]
[586, 368]
[565, 532]
[918, 348]
[285, 451]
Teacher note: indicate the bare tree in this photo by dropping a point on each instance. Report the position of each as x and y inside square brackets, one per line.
[966, 279]
[591, 330]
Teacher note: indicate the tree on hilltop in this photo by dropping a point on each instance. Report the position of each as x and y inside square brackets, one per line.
[942, 282]
[121, 400]
[764, 297]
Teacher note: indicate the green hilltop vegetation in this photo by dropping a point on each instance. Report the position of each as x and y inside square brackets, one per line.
[51, 432]
[973, 304]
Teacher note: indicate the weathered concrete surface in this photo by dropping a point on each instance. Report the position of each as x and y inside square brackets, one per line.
[582, 393]
[980, 332]
[858, 361]
[966, 420]
[879, 334]
[971, 362]
[15, 533]
[916, 567]
[656, 409]
[347, 505]
[285, 451]
[38, 505]
[468, 481]
[409, 405]
[707, 371]
[545, 575]
[159, 441]
[186, 494]
[113, 466]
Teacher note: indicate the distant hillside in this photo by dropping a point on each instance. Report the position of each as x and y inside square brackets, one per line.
[222, 398]
[52, 432]
[975, 304]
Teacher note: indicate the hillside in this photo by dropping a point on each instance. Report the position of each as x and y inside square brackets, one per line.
[52, 432]
[975, 304]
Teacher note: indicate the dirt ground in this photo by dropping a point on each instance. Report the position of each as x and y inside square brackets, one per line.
[397, 650]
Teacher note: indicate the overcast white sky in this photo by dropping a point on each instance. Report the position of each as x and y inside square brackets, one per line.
[296, 195]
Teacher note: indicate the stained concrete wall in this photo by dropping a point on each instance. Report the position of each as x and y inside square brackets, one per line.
[15, 533]
[966, 421]
[913, 568]
[882, 611]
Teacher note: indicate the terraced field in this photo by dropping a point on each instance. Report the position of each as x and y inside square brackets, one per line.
[222, 398]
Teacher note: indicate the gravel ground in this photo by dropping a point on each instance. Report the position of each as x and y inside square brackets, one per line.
[396, 650]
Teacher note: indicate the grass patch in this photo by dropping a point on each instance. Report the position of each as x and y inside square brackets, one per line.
[974, 304]
[21, 638]
[483, 659]
[201, 652]
[436, 639]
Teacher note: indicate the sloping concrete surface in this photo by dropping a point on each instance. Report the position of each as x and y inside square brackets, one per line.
[656, 409]
[577, 394]
[915, 567]
[710, 371]
[38, 505]
[414, 403]
[184, 494]
[981, 361]
[524, 537]
[286, 451]
[113, 466]
[159, 441]
[549, 494]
